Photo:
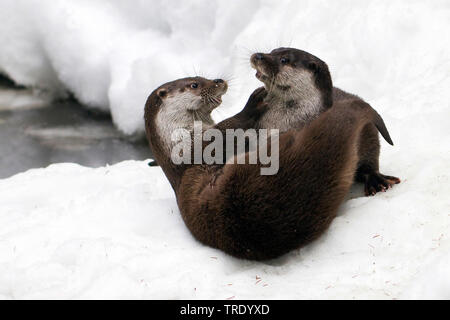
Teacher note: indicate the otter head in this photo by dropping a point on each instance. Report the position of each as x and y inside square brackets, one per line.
[178, 104]
[294, 75]
[195, 95]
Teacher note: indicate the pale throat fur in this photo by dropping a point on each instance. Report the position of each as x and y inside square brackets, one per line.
[179, 111]
[293, 98]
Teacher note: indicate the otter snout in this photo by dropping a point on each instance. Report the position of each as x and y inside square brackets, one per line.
[221, 84]
[256, 57]
[264, 66]
[213, 91]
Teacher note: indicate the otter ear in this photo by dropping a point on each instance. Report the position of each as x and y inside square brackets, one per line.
[162, 93]
[314, 67]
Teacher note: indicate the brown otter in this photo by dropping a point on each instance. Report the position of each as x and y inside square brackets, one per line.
[241, 212]
[178, 104]
[174, 105]
[247, 118]
[299, 90]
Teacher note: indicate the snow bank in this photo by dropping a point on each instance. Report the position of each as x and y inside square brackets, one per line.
[115, 232]
[112, 54]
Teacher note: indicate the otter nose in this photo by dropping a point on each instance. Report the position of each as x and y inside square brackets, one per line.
[259, 56]
[218, 81]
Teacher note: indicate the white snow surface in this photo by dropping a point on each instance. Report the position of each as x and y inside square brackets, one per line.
[68, 231]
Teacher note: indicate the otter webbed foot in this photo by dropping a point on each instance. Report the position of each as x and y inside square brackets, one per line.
[376, 182]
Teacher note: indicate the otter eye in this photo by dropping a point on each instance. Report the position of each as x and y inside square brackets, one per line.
[284, 60]
[162, 93]
[194, 85]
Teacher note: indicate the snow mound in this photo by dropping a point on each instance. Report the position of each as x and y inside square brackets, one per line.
[112, 54]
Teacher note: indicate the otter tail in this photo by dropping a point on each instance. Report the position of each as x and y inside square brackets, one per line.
[342, 96]
[362, 108]
[379, 123]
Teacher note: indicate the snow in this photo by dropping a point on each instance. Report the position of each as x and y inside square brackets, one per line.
[68, 231]
[112, 54]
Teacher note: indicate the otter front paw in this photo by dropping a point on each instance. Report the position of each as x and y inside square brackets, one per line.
[255, 99]
[258, 95]
[376, 182]
[255, 107]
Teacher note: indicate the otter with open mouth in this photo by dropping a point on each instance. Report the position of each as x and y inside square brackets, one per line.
[240, 211]
[298, 91]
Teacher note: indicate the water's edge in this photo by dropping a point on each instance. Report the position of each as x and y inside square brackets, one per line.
[35, 133]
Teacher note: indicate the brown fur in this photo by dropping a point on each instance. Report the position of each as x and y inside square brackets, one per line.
[270, 67]
[247, 215]
[247, 118]
[154, 105]
[368, 153]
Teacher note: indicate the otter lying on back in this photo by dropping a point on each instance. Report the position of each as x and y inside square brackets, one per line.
[235, 208]
[299, 90]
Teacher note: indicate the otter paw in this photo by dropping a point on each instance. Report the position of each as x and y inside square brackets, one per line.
[377, 182]
[258, 95]
[215, 171]
[260, 110]
[256, 98]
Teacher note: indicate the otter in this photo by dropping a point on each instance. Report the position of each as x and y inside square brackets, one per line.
[247, 118]
[199, 97]
[299, 90]
[236, 209]
[163, 115]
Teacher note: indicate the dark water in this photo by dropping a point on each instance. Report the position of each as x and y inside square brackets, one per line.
[36, 135]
